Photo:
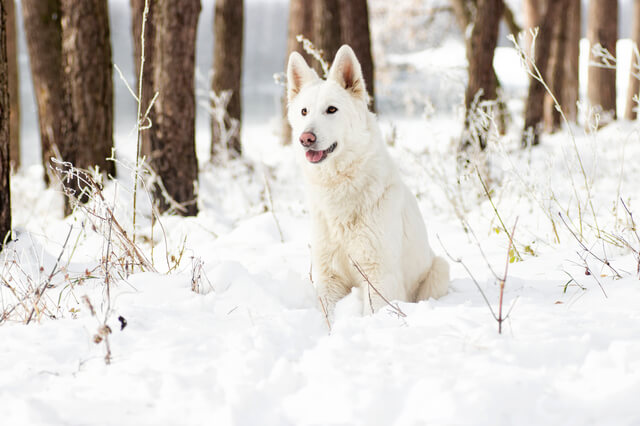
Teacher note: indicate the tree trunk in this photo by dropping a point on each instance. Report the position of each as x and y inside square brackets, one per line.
[86, 50]
[480, 50]
[354, 26]
[227, 75]
[14, 86]
[173, 133]
[552, 117]
[300, 15]
[534, 107]
[630, 112]
[571, 89]
[137, 13]
[5, 168]
[326, 30]
[603, 29]
[462, 12]
[533, 11]
[44, 42]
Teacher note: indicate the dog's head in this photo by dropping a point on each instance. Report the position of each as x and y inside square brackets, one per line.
[327, 116]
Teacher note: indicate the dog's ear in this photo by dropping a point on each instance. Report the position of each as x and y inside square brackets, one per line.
[298, 74]
[347, 72]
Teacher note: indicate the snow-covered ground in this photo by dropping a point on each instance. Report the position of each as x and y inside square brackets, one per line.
[232, 334]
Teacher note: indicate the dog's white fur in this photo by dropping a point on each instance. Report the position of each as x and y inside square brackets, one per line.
[360, 208]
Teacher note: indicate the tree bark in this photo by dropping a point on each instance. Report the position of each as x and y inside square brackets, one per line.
[86, 50]
[354, 27]
[300, 15]
[44, 42]
[571, 89]
[462, 12]
[630, 112]
[227, 73]
[534, 106]
[603, 29]
[14, 86]
[533, 11]
[5, 168]
[173, 134]
[326, 30]
[480, 50]
[137, 13]
[552, 117]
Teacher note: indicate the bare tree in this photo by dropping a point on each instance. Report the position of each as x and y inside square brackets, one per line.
[14, 87]
[173, 133]
[327, 35]
[602, 28]
[630, 112]
[480, 50]
[534, 106]
[227, 73]
[137, 14]
[300, 15]
[5, 189]
[44, 42]
[354, 27]
[86, 50]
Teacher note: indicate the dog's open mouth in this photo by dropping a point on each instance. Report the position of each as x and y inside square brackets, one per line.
[318, 156]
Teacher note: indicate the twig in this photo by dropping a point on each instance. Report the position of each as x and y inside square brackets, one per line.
[633, 222]
[504, 278]
[395, 308]
[273, 212]
[145, 15]
[486, 191]
[459, 261]
[41, 291]
[604, 262]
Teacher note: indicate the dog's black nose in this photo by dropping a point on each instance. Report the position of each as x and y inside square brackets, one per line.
[307, 139]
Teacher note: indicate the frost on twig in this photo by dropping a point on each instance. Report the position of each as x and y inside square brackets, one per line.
[316, 53]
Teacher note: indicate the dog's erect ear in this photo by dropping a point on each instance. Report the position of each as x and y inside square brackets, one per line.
[347, 72]
[298, 74]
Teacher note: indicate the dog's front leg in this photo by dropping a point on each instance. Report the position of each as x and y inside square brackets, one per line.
[379, 287]
[330, 289]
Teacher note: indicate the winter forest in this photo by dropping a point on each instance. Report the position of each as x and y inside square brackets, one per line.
[155, 251]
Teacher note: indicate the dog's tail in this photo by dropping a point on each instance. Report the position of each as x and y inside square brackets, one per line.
[436, 280]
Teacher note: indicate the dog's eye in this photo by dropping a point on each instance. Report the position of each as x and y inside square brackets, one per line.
[304, 111]
[331, 109]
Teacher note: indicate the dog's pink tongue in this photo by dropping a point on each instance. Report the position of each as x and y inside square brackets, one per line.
[314, 156]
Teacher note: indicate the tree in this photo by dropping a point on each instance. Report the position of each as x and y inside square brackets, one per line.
[44, 42]
[571, 89]
[300, 14]
[327, 35]
[534, 106]
[14, 87]
[137, 14]
[557, 80]
[630, 112]
[173, 133]
[482, 80]
[227, 74]
[354, 27]
[602, 28]
[86, 50]
[5, 189]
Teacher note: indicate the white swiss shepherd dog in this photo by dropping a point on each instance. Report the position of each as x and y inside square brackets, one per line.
[360, 208]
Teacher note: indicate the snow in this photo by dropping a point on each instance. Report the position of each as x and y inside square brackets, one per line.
[250, 346]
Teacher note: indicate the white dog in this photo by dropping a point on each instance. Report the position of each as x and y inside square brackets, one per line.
[361, 211]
